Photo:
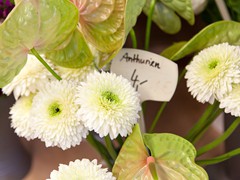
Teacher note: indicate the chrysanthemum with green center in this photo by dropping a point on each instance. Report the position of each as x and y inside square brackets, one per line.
[54, 115]
[109, 104]
[212, 72]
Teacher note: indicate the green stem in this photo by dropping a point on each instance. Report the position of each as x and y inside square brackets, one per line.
[149, 24]
[35, 53]
[221, 139]
[163, 106]
[159, 113]
[201, 122]
[134, 38]
[110, 147]
[120, 141]
[219, 159]
[209, 121]
[100, 148]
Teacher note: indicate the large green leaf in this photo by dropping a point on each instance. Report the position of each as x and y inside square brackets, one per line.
[174, 157]
[171, 50]
[45, 25]
[75, 55]
[132, 157]
[182, 7]
[218, 32]
[164, 17]
[106, 23]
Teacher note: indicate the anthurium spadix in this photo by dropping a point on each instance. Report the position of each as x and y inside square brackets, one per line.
[43, 25]
[172, 157]
[105, 24]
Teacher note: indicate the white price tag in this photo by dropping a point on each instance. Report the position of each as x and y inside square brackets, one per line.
[153, 76]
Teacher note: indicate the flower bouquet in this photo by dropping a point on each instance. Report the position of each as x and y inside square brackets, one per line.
[61, 61]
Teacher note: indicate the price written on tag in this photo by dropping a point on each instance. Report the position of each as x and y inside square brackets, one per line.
[153, 76]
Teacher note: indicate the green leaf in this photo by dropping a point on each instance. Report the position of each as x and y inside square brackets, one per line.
[164, 17]
[171, 50]
[45, 25]
[105, 24]
[218, 32]
[75, 55]
[174, 157]
[132, 156]
[133, 9]
[182, 7]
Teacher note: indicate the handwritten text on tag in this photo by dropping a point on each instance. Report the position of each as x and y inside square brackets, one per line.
[153, 76]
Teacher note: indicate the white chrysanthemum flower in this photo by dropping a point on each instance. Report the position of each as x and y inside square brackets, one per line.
[54, 115]
[81, 170]
[32, 76]
[21, 117]
[231, 102]
[212, 72]
[109, 104]
[78, 74]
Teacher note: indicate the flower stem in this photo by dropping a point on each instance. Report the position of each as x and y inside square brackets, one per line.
[120, 140]
[163, 106]
[202, 122]
[159, 113]
[110, 147]
[219, 159]
[209, 121]
[134, 38]
[149, 24]
[219, 140]
[100, 148]
[35, 53]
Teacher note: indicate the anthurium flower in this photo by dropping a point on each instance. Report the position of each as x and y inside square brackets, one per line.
[81, 170]
[105, 24]
[45, 25]
[172, 157]
[212, 72]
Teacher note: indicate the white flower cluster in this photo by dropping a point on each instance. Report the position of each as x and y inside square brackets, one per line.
[214, 74]
[61, 113]
[81, 170]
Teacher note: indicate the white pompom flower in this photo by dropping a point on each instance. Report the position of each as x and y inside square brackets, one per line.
[21, 117]
[212, 72]
[74, 74]
[109, 104]
[231, 101]
[54, 115]
[81, 170]
[32, 76]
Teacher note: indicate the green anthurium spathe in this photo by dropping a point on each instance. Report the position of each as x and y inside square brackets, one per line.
[132, 157]
[105, 24]
[75, 55]
[164, 17]
[44, 25]
[216, 33]
[183, 8]
[174, 157]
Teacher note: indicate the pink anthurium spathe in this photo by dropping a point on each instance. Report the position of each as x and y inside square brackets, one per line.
[172, 157]
[105, 24]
